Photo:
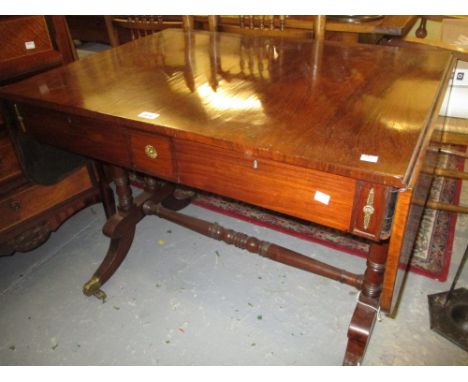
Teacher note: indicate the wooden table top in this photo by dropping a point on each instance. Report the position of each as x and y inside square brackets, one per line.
[350, 109]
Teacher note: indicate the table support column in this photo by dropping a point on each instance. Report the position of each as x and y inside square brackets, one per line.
[367, 307]
[120, 227]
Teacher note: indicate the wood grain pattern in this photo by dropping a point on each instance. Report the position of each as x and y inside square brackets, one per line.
[82, 135]
[306, 112]
[17, 31]
[410, 207]
[9, 165]
[314, 108]
[282, 187]
[31, 212]
[35, 199]
[163, 165]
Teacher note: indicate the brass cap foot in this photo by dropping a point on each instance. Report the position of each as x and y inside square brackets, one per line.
[92, 288]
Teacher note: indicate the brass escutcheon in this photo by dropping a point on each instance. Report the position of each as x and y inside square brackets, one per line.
[151, 152]
[369, 208]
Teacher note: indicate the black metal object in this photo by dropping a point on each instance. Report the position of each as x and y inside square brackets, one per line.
[449, 311]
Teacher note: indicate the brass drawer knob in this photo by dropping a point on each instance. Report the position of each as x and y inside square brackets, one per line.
[151, 152]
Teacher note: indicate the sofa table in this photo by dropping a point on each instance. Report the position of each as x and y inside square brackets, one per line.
[335, 133]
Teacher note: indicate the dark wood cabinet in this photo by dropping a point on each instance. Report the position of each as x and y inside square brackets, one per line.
[29, 210]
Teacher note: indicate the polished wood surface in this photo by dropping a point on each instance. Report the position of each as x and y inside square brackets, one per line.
[9, 165]
[330, 132]
[17, 32]
[318, 109]
[30, 201]
[31, 211]
[29, 46]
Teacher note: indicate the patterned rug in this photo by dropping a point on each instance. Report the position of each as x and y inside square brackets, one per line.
[433, 249]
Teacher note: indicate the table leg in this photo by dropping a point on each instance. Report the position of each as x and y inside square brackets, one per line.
[107, 194]
[367, 307]
[176, 203]
[120, 227]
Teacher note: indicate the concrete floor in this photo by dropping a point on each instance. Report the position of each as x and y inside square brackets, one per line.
[183, 299]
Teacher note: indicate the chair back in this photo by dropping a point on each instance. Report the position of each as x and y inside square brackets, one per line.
[126, 28]
[271, 25]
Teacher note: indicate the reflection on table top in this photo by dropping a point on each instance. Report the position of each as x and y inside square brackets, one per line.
[325, 106]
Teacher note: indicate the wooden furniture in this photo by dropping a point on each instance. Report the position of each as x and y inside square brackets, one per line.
[31, 44]
[122, 29]
[30, 210]
[303, 26]
[272, 25]
[334, 133]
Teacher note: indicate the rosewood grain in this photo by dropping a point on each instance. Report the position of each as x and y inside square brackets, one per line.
[320, 197]
[152, 154]
[9, 165]
[30, 212]
[82, 135]
[359, 99]
[16, 32]
[28, 203]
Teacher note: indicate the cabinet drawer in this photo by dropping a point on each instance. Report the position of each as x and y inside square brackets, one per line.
[29, 202]
[152, 154]
[308, 194]
[9, 166]
[81, 135]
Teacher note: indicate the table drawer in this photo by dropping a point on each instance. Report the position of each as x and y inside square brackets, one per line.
[152, 154]
[308, 194]
[79, 134]
[36, 199]
[9, 165]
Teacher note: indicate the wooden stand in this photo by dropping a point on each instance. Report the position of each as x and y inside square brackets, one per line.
[160, 201]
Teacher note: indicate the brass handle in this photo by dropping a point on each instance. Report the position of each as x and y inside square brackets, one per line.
[151, 152]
